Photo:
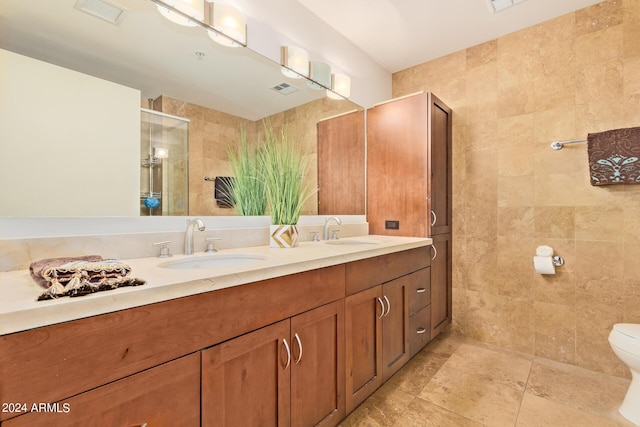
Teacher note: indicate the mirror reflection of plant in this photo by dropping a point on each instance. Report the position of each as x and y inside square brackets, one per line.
[247, 193]
[284, 167]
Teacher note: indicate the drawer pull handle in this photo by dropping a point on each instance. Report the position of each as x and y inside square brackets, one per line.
[434, 218]
[388, 306]
[421, 290]
[435, 252]
[297, 337]
[421, 330]
[286, 346]
[140, 425]
[383, 309]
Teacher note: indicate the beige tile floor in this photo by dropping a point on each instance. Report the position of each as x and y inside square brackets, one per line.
[458, 382]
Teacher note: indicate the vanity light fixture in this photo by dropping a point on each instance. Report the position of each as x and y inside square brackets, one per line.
[319, 75]
[340, 86]
[192, 8]
[227, 21]
[294, 61]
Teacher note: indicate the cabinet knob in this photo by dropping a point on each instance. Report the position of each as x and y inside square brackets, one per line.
[421, 330]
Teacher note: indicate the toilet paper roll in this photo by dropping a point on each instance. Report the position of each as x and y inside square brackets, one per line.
[544, 250]
[544, 265]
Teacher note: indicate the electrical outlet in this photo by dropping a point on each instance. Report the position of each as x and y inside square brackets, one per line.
[392, 225]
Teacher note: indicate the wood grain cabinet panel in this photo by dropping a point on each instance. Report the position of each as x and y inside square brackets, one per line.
[287, 374]
[363, 332]
[165, 396]
[341, 179]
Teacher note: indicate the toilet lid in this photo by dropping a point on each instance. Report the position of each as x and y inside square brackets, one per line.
[631, 330]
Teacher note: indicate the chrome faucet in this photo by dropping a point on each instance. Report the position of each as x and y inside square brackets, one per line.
[325, 233]
[188, 235]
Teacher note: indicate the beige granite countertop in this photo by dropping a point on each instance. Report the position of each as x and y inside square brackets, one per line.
[20, 310]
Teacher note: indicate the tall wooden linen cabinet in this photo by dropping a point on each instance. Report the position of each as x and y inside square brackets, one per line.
[409, 183]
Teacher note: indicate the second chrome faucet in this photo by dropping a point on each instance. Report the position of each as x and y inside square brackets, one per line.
[325, 232]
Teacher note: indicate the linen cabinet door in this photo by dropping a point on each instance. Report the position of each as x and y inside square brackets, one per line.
[317, 370]
[246, 381]
[395, 326]
[441, 285]
[165, 396]
[363, 349]
[440, 170]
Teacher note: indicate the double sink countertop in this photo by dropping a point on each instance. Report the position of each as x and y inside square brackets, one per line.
[20, 310]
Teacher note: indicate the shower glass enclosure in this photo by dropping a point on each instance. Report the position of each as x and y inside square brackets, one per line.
[164, 165]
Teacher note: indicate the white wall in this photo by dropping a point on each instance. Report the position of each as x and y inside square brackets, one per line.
[64, 134]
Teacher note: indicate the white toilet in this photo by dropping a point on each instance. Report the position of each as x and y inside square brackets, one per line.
[625, 342]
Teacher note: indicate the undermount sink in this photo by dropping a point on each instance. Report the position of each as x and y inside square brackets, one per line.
[351, 242]
[200, 262]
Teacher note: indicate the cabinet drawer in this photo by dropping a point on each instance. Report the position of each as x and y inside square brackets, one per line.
[167, 395]
[419, 330]
[374, 271]
[419, 290]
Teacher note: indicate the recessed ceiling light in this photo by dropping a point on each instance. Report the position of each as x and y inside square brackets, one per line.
[102, 9]
[498, 5]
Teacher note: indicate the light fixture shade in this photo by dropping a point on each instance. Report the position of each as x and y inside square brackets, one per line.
[340, 86]
[193, 8]
[295, 62]
[320, 75]
[228, 20]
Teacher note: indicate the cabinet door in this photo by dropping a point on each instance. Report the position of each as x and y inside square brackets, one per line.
[395, 326]
[441, 303]
[246, 381]
[440, 152]
[363, 349]
[167, 395]
[397, 162]
[317, 370]
[341, 165]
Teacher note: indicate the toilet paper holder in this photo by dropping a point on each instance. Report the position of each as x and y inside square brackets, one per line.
[557, 260]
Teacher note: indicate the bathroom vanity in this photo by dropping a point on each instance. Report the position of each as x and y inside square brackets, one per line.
[300, 338]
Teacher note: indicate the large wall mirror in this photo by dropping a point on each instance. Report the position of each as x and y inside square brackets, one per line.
[178, 71]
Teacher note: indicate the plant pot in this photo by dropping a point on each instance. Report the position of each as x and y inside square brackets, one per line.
[283, 236]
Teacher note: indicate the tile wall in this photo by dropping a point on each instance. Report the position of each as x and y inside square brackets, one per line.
[511, 98]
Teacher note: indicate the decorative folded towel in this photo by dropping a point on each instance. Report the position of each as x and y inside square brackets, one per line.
[37, 267]
[80, 276]
[613, 156]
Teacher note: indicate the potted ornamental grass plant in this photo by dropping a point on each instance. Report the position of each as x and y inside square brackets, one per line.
[283, 167]
[246, 191]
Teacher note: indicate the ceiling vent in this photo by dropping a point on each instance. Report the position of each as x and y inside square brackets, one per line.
[285, 88]
[103, 9]
[498, 5]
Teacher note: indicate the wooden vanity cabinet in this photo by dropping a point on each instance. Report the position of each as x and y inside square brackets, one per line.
[377, 321]
[287, 374]
[410, 183]
[165, 396]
